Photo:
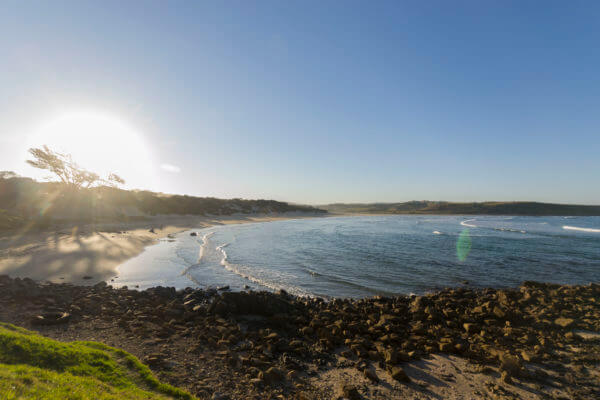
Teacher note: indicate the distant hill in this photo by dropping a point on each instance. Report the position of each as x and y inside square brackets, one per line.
[26, 201]
[446, 208]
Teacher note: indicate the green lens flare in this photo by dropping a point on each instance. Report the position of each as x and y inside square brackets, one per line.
[463, 246]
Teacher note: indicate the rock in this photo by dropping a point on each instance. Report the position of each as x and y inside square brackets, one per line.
[398, 374]
[471, 328]
[51, 318]
[391, 356]
[446, 347]
[87, 277]
[222, 288]
[371, 374]
[527, 356]
[304, 396]
[510, 364]
[193, 234]
[499, 312]
[306, 330]
[291, 375]
[271, 375]
[564, 322]
[506, 377]
[101, 285]
[350, 392]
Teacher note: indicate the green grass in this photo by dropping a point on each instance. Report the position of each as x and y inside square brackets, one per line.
[35, 367]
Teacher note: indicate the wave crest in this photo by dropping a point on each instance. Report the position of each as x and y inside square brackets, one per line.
[465, 223]
[577, 228]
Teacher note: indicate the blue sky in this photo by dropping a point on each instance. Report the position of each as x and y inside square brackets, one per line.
[324, 101]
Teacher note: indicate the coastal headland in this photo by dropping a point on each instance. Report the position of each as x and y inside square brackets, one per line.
[537, 341]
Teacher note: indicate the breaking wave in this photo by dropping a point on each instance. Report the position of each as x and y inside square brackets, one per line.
[243, 272]
[464, 223]
[576, 228]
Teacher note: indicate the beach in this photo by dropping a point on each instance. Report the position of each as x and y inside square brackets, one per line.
[526, 341]
[90, 253]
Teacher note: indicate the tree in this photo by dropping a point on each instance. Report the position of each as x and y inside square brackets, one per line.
[67, 171]
[8, 175]
[116, 179]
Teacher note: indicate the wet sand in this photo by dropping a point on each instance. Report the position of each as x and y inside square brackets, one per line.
[90, 253]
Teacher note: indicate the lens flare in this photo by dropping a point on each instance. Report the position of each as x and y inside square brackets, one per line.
[463, 245]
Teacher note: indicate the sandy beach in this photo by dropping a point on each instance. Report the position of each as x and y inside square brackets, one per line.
[91, 253]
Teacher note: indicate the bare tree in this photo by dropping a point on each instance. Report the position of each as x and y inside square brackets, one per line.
[67, 171]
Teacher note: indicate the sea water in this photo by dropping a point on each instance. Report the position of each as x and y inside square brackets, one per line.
[363, 256]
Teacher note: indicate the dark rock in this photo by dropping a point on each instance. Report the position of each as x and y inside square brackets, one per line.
[350, 392]
[506, 377]
[51, 318]
[564, 322]
[370, 373]
[398, 374]
[511, 364]
[271, 376]
[471, 328]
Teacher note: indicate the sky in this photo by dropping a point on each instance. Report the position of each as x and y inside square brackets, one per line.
[311, 101]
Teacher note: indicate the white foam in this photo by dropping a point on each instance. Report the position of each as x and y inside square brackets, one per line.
[509, 230]
[238, 270]
[576, 228]
[437, 232]
[464, 223]
[204, 244]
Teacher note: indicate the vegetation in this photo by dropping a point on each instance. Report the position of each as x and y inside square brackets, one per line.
[444, 207]
[24, 201]
[35, 367]
[67, 171]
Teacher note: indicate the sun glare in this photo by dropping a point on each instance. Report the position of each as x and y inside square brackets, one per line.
[101, 143]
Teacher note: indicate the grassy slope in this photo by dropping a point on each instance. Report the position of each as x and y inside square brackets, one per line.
[35, 367]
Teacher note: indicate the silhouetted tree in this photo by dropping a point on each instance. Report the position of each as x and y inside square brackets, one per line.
[115, 179]
[67, 171]
[8, 175]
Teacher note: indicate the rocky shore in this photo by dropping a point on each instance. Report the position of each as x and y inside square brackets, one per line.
[535, 341]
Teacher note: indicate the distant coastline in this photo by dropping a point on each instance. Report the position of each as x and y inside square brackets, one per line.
[521, 208]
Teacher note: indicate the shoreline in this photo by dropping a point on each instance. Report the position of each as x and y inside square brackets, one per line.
[90, 253]
[96, 252]
[536, 341]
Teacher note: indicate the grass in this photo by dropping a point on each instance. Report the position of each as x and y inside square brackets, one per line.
[35, 367]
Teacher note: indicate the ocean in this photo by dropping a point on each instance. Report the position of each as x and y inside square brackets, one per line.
[363, 256]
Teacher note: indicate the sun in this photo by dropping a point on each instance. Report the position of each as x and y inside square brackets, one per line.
[101, 143]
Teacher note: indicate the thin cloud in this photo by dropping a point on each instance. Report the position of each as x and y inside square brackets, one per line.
[170, 168]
